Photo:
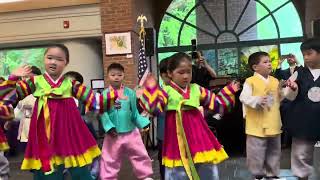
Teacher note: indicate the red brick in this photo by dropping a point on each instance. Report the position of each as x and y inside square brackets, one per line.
[120, 16]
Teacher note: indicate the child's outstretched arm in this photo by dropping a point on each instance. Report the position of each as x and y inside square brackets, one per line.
[10, 90]
[13, 90]
[153, 98]
[223, 101]
[94, 102]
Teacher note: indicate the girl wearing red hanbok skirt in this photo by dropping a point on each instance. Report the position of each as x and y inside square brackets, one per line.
[58, 136]
[190, 150]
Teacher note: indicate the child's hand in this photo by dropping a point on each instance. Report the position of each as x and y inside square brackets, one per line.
[145, 129]
[292, 85]
[235, 85]
[22, 71]
[146, 114]
[139, 92]
[151, 81]
[263, 101]
[112, 132]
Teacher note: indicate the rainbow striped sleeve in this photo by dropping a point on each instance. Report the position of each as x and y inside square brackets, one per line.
[226, 98]
[13, 90]
[8, 96]
[85, 95]
[106, 99]
[208, 99]
[153, 100]
[8, 91]
[25, 87]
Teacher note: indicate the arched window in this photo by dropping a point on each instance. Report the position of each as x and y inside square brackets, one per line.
[228, 31]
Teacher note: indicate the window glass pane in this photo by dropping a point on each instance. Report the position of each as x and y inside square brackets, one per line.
[164, 55]
[227, 37]
[235, 7]
[293, 48]
[250, 16]
[265, 29]
[192, 18]
[168, 33]
[187, 34]
[210, 57]
[216, 10]
[204, 38]
[180, 8]
[272, 50]
[228, 62]
[203, 21]
[273, 4]
[288, 21]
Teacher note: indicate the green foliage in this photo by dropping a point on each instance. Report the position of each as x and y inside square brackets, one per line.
[266, 29]
[169, 29]
[11, 59]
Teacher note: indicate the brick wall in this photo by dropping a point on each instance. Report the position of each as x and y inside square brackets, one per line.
[116, 16]
[312, 13]
[120, 16]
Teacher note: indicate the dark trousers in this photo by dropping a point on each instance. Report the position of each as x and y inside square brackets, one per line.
[161, 167]
[286, 138]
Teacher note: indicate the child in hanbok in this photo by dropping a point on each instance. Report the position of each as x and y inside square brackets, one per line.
[303, 121]
[121, 123]
[190, 150]
[6, 114]
[58, 136]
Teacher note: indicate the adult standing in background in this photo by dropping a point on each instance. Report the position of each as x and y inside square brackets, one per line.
[286, 73]
[202, 72]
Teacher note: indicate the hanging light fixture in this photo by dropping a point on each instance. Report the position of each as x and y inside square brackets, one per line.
[9, 1]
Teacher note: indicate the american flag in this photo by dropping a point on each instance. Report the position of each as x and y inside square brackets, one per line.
[143, 69]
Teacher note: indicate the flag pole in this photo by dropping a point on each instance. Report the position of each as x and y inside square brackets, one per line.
[142, 34]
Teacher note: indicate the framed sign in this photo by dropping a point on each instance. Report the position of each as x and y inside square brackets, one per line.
[118, 43]
[97, 83]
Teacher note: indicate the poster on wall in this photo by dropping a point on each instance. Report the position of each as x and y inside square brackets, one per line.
[10, 59]
[118, 43]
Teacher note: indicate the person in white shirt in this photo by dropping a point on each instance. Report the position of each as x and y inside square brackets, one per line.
[284, 74]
